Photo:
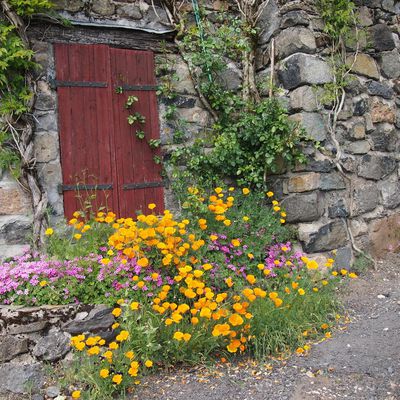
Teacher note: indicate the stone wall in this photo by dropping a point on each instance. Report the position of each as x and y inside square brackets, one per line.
[317, 198]
[31, 337]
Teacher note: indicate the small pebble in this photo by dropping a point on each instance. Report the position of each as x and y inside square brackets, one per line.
[52, 391]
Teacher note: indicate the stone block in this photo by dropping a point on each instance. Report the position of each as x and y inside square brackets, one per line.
[12, 250]
[303, 69]
[338, 210]
[357, 131]
[103, 7]
[390, 192]
[382, 112]
[46, 146]
[17, 377]
[302, 207]
[365, 198]
[364, 65]
[304, 182]
[46, 122]
[365, 16]
[46, 99]
[360, 107]
[343, 257]
[384, 236]
[15, 229]
[384, 141]
[295, 18]
[390, 64]
[269, 21]
[319, 237]
[195, 115]
[131, 11]
[313, 123]
[13, 200]
[359, 147]
[358, 227]
[231, 77]
[376, 167]
[52, 347]
[69, 5]
[11, 346]
[381, 37]
[304, 98]
[332, 181]
[380, 89]
[295, 40]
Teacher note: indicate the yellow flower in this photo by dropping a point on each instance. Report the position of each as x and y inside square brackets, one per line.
[251, 279]
[134, 305]
[300, 350]
[235, 242]
[245, 218]
[235, 320]
[312, 264]
[116, 312]
[143, 262]
[213, 238]
[123, 335]
[276, 208]
[117, 379]
[324, 326]
[301, 292]
[227, 222]
[245, 191]
[324, 282]
[129, 354]
[104, 373]
[270, 194]
[334, 273]
[151, 206]
[42, 283]
[94, 351]
[105, 261]
[186, 337]
[343, 271]
[113, 346]
[76, 394]
[77, 236]
[49, 231]
[278, 302]
[328, 335]
[178, 336]
[218, 190]
[148, 363]
[353, 275]
[115, 325]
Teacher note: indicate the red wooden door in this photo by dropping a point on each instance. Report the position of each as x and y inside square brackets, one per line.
[102, 159]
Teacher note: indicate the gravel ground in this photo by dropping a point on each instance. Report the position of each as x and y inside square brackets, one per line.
[361, 361]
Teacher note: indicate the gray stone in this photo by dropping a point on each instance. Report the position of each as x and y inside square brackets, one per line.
[384, 141]
[52, 347]
[45, 97]
[397, 123]
[376, 167]
[365, 16]
[390, 192]
[46, 122]
[390, 64]
[300, 69]
[129, 11]
[316, 166]
[332, 181]
[318, 238]
[338, 210]
[392, 6]
[343, 258]
[380, 89]
[302, 207]
[364, 65]
[12, 250]
[269, 21]
[295, 40]
[98, 319]
[360, 107]
[11, 346]
[359, 147]
[195, 115]
[357, 131]
[382, 112]
[103, 7]
[46, 146]
[304, 98]
[304, 182]
[15, 229]
[381, 37]
[313, 123]
[365, 198]
[17, 378]
[27, 328]
[231, 77]
[52, 391]
[368, 3]
[295, 18]
[38, 397]
[69, 5]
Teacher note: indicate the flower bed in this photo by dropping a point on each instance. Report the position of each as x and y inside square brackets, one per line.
[221, 280]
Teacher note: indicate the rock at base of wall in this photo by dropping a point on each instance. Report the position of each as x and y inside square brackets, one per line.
[21, 378]
[385, 235]
[302, 207]
[52, 347]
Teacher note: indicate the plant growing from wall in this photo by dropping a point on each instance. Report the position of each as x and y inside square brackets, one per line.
[17, 89]
[341, 27]
[250, 134]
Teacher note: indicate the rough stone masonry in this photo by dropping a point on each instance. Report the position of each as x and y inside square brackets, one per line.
[317, 198]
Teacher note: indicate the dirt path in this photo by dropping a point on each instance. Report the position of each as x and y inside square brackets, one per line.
[361, 362]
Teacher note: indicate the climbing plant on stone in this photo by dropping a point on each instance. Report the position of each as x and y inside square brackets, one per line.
[17, 90]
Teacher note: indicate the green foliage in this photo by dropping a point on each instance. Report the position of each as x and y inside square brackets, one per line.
[250, 137]
[26, 8]
[337, 15]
